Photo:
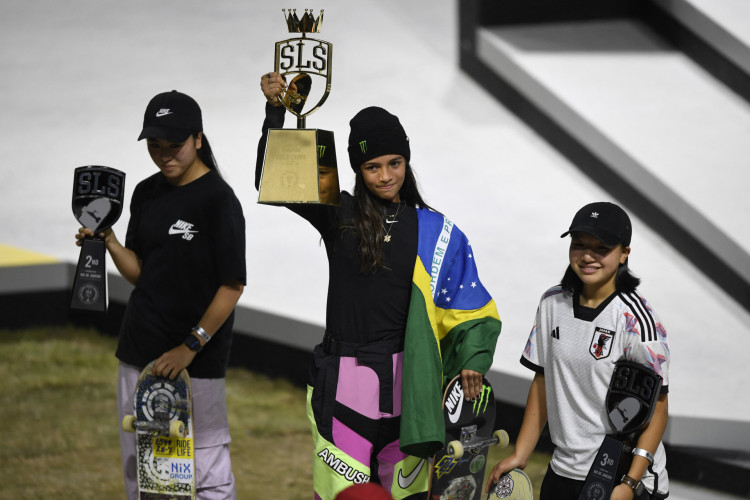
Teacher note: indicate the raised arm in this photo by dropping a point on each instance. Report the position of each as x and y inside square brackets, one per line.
[272, 85]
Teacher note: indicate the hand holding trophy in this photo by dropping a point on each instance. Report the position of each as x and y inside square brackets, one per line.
[97, 204]
[300, 165]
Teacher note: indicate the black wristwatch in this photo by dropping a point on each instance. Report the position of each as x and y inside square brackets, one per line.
[193, 343]
[637, 486]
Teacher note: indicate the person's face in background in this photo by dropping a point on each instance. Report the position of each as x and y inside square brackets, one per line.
[328, 185]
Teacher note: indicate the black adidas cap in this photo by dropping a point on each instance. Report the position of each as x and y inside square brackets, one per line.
[603, 220]
[173, 116]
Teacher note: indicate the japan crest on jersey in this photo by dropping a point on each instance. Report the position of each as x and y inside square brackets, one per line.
[601, 343]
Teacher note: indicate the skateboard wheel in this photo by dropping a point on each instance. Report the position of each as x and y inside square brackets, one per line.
[455, 449]
[502, 438]
[176, 428]
[128, 423]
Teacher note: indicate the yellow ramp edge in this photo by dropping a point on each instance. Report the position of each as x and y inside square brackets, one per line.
[12, 256]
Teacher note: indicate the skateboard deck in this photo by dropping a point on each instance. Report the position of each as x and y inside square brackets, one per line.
[513, 485]
[163, 426]
[458, 468]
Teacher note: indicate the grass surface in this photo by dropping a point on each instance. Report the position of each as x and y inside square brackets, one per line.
[60, 432]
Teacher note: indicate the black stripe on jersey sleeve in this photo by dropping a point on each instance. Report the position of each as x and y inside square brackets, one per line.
[644, 317]
[531, 366]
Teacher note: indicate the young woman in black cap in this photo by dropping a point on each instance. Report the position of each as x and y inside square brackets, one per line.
[406, 312]
[185, 253]
[594, 318]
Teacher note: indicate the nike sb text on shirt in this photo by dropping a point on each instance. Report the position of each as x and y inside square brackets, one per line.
[183, 228]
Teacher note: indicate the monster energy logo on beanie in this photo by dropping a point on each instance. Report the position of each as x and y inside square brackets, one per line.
[376, 132]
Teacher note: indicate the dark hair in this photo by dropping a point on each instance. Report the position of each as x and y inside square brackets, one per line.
[206, 154]
[369, 211]
[625, 281]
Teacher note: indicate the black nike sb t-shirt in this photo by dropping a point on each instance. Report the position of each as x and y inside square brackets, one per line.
[191, 240]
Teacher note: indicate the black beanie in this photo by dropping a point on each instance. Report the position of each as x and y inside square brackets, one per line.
[375, 132]
[326, 149]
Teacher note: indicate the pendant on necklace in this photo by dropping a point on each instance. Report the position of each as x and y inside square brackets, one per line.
[387, 238]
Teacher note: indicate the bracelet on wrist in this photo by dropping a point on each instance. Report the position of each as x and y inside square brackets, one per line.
[645, 454]
[198, 329]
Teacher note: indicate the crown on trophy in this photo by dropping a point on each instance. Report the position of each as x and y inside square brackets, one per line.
[308, 23]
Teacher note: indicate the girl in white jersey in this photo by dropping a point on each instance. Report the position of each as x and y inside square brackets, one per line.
[583, 327]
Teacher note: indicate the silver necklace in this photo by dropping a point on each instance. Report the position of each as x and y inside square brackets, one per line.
[390, 220]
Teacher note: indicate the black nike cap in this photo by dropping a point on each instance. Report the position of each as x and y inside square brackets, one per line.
[173, 116]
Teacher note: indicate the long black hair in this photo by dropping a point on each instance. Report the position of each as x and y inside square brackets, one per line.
[625, 281]
[206, 154]
[369, 212]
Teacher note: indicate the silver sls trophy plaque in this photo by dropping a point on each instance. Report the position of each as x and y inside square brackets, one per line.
[97, 204]
[299, 165]
[631, 401]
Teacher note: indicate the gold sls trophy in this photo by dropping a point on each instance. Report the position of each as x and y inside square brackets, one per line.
[299, 165]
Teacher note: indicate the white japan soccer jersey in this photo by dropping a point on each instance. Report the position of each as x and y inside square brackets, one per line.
[576, 349]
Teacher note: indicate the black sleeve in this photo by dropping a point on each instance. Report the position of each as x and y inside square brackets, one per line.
[324, 218]
[131, 236]
[274, 119]
[531, 366]
[229, 240]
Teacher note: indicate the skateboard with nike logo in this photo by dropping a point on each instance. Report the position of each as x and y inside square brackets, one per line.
[163, 427]
[458, 468]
